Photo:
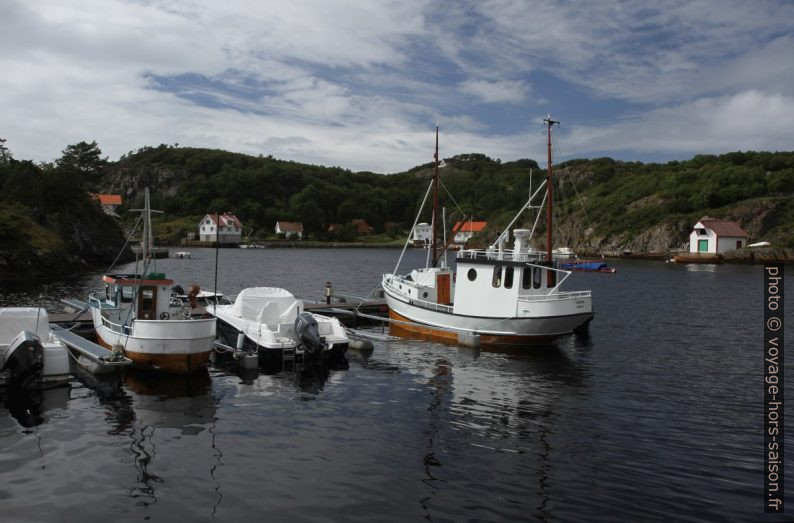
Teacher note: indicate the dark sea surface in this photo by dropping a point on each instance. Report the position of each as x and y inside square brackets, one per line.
[656, 415]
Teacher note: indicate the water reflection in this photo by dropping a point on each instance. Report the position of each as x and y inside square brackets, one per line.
[309, 379]
[165, 409]
[29, 407]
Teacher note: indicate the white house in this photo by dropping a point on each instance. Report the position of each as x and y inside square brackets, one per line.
[717, 236]
[422, 234]
[290, 229]
[225, 228]
[465, 230]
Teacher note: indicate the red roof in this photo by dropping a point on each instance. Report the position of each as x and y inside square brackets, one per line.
[227, 219]
[469, 226]
[290, 226]
[725, 228]
[108, 199]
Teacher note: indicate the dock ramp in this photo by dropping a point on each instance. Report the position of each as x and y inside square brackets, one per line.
[95, 353]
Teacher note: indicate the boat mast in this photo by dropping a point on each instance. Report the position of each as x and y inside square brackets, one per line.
[146, 241]
[550, 281]
[435, 201]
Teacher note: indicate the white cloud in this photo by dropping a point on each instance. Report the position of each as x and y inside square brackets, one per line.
[492, 92]
[358, 85]
[750, 120]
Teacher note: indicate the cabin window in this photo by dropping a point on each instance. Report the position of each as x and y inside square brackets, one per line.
[107, 292]
[147, 299]
[536, 277]
[127, 293]
[526, 278]
[497, 276]
[508, 277]
[472, 274]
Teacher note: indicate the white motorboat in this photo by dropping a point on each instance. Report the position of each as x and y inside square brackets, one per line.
[136, 315]
[30, 354]
[272, 323]
[497, 296]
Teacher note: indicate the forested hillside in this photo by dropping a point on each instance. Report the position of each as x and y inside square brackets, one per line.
[607, 205]
[49, 224]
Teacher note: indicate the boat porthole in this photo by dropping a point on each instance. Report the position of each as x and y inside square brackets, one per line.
[424, 295]
[472, 274]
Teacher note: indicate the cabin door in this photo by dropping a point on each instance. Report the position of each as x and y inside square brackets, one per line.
[442, 289]
[703, 245]
[147, 302]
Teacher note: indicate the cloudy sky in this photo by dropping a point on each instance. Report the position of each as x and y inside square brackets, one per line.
[361, 84]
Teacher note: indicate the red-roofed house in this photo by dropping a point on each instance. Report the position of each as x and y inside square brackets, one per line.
[109, 202]
[465, 230]
[225, 228]
[716, 236]
[290, 229]
[362, 227]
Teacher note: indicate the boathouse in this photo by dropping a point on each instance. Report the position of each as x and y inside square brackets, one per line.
[109, 202]
[465, 230]
[717, 236]
[421, 235]
[224, 229]
[290, 230]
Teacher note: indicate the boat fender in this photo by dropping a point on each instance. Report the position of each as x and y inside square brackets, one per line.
[361, 345]
[164, 315]
[24, 360]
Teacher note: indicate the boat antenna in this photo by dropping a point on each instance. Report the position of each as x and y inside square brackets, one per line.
[550, 275]
[435, 202]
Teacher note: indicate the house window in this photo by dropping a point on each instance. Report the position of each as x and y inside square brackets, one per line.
[536, 277]
[472, 274]
[701, 232]
[508, 277]
[497, 276]
[526, 278]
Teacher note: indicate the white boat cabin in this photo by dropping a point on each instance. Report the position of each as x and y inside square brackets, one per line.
[150, 297]
[485, 282]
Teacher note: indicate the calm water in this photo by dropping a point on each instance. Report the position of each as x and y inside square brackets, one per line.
[656, 415]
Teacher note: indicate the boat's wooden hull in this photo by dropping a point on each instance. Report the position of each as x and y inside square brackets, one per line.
[698, 258]
[408, 328]
[181, 363]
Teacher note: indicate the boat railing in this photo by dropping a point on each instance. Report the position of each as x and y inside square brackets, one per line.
[115, 327]
[505, 255]
[412, 300]
[555, 296]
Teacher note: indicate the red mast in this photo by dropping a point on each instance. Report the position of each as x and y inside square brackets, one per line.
[435, 201]
[551, 279]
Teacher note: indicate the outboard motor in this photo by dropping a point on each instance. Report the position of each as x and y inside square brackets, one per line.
[24, 360]
[309, 334]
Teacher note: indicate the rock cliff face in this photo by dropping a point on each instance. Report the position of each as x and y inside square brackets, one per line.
[88, 240]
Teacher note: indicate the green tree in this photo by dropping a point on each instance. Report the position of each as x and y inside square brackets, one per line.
[84, 159]
[5, 154]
